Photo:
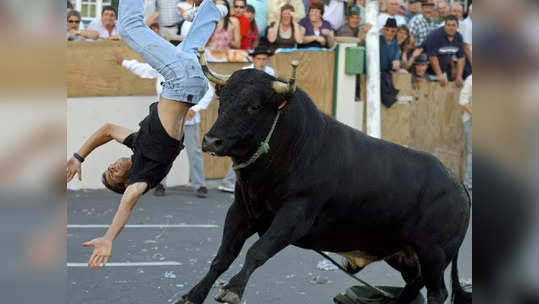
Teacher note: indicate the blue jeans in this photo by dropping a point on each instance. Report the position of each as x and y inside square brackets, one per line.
[184, 79]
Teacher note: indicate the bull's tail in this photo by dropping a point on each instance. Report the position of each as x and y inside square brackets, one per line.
[459, 296]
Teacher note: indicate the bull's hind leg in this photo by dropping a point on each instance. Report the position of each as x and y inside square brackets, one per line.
[291, 223]
[433, 262]
[236, 231]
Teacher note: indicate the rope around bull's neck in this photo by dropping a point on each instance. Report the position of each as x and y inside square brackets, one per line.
[262, 149]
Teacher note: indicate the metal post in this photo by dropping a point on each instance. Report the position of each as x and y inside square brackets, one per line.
[374, 126]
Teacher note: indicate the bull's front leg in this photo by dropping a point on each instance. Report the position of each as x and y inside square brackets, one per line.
[292, 222]
[236, 232]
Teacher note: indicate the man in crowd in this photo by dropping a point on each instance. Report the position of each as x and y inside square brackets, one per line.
[421, 25]
[419, 70]
[105, 27]
[159, 139]
[441, 46]
[456, 10]
[389, 48]
[442, 10]
[352, 28]
[466, 27]
[413, 8]
[392, 12]
[239, 11]
[167, 11]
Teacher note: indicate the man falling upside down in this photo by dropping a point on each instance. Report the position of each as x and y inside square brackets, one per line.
[160, 137]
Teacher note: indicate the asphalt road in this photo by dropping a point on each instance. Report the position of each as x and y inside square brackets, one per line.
[291, 276]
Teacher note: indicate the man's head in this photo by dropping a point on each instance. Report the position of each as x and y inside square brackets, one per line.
[443, 9]
[451, 25]
[421, 65]
[390, 29]
[108, 16]
[414, 6]
[260, 56]
[73, 20]
[427, 9]
[456, 9]
[354, 18]
[117, 174]
[240, 7]
[393, 7]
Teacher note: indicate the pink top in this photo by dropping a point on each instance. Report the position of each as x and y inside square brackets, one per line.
[221, 39]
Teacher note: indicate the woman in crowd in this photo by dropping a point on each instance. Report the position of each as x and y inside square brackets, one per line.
[407, 44]
[73, 26]
[286, 32]
[318, 32]
[227, 33]
[252, 37]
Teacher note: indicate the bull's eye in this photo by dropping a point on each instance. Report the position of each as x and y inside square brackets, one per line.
[254, 108]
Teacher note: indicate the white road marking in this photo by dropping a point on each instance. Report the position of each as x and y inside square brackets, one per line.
[147, 226]
[130, 264]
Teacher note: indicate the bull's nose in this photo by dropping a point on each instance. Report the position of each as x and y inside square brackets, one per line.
[212, 144]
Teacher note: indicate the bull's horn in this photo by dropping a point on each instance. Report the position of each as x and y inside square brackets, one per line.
[213, 77]
[290, 87]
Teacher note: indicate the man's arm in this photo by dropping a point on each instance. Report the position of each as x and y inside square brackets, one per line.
[435, 64]
[102, 136]
[103, 246]
[460, 70]
[468, 52]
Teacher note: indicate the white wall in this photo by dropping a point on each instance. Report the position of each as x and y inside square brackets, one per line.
[348, 110]
[86, 115]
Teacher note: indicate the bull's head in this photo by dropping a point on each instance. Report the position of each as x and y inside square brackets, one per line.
[249, 102]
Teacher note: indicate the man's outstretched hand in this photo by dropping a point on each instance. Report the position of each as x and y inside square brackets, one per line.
[73, 167]
[101, 254]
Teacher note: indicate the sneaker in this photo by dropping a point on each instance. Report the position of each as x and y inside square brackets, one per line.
[226, 188]
[159, 190]
[202, 192]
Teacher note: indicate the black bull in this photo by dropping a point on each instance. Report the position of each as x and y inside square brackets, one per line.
[327, 187]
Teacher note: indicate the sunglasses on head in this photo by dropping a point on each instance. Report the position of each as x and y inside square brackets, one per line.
[73, 21]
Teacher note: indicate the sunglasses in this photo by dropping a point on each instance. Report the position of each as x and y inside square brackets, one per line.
[73, 21]
[238, 6]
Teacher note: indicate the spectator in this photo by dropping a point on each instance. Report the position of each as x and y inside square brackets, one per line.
[169, 16]
[260, 57]
[106, 26]
[413, 8]
[441, 46]
[456, 10]
[392, 12]
[466, 101]
[274, 8]
[73, 25]
[191, 138]
[466, 27]
[389, 48]
[318, 32]
[252, 37]
[419, 70]
[421, 25]
[286, 32]
[227, 33]
[361, 4]
[261, 15]
[407, 46]
[334, 12]
[239, 13]
[442, 10]
[352, 28]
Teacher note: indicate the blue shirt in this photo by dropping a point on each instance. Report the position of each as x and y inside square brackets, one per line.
[261, 13]
[388, 54]
[438, 45]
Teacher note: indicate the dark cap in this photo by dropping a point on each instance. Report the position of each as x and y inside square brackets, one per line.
[261, 49]
[354, 10]
[391, 22]
[427, 3]
[421, 59]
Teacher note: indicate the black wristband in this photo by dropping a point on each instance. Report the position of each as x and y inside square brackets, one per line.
[77, 156]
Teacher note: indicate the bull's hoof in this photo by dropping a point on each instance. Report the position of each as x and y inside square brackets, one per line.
[227, 296]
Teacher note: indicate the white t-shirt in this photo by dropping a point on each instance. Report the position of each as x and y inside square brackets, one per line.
[97, 25]
[334, 13]
[466, 97]
[466, 28]
[267, 69]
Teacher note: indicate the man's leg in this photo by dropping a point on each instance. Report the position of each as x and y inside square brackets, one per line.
[194, 153]
[229, 182]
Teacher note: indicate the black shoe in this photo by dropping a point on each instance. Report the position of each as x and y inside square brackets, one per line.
[202, 192]
[159, 190]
